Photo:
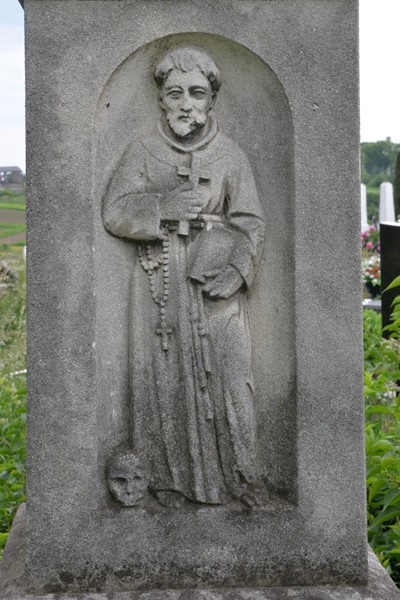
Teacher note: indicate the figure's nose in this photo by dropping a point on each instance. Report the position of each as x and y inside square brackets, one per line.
[186, 102]
[130, 487]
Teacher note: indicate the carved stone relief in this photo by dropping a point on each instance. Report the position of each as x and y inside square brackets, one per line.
[185, 196]
[127, 478]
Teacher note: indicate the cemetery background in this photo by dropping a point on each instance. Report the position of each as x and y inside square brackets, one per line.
[380, 162]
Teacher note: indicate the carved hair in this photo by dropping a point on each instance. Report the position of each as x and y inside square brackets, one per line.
[186, 59]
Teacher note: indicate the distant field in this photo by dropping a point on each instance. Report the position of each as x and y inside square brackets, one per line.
[12, 200]
[12, 218]
[12, 205]
[8, 229]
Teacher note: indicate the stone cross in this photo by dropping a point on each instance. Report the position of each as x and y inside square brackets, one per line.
[164, 331]
[194, 176]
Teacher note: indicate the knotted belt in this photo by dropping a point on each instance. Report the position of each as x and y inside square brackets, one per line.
[198, 223]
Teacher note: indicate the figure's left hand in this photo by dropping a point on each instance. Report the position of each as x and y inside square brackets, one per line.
[223, 284]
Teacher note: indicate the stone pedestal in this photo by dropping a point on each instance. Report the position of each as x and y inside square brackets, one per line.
[279, 152]
[13, 587]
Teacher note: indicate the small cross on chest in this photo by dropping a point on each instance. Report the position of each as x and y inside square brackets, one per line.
[194, 175]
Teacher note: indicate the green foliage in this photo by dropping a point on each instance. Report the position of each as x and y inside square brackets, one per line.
[8, 193]
[12, 394]
[378, 164]
[378, 159]
[373, 203]
[382, 400]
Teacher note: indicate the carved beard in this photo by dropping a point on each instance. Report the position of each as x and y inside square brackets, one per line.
[184, 127]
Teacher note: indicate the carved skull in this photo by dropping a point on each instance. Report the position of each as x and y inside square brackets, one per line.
[127, 478]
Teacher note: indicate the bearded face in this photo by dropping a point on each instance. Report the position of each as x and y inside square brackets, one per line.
[186, 99]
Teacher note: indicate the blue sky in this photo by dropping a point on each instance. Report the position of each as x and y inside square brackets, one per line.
[379, 68]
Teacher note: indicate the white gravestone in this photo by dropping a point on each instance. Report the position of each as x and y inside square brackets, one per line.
[386, 203]
[364, 214]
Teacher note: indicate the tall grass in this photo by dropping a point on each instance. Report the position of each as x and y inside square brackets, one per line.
[12, 391]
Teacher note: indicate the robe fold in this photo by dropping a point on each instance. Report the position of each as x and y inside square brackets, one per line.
[192, 413]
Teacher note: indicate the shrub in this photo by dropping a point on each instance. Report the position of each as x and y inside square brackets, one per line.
[382, 399]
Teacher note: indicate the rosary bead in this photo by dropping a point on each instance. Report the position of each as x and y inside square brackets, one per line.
[162, 311]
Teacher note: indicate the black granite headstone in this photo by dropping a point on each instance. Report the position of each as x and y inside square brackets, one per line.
[390, 267]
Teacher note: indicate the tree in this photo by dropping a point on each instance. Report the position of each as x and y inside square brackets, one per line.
[378, 161]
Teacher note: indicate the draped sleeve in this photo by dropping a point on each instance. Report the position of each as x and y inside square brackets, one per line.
[245, 217]
[129, 210]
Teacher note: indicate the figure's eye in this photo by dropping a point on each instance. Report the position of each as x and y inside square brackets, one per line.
[199, 94]
[174, 94]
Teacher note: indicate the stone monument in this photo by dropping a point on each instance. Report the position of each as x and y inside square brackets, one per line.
[390, 267]
[364, 212]
[386, 203]
[195, 422]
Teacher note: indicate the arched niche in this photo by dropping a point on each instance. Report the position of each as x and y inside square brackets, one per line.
[252, 109]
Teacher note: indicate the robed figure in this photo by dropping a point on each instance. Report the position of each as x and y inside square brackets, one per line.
[185, 196]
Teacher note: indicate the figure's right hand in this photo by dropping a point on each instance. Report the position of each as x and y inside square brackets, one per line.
[183, 203]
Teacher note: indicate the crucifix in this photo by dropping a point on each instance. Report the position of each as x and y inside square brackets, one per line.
[164, 331]
[195, 177]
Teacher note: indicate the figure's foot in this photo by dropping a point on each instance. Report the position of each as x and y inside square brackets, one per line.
[170, 499]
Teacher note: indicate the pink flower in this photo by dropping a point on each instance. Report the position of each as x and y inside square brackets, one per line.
[369, 245]
[363, 234]
[378, 247]
[372, 228]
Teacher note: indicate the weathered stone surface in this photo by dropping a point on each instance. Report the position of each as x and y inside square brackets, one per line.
[289, 99]
[380, 586]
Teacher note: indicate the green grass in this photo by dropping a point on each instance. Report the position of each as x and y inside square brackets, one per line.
[12, 393]
[12, 200]
[12, 206]
[8, 229]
